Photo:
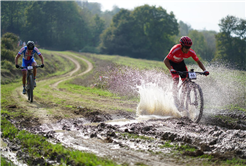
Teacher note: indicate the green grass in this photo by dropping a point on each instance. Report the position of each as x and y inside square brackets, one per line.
[6, 91]
[132, 62]
[236, 107]
[5, 162]
[136, 136]
[167, 145]
[86, 90]
[83, 64]
[38, 146]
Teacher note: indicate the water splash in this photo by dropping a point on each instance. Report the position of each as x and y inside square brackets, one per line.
[155, 100]
[222, 88]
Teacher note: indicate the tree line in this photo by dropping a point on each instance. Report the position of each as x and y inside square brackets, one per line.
[146, 32]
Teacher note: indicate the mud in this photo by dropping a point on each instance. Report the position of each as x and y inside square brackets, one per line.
[94, 132]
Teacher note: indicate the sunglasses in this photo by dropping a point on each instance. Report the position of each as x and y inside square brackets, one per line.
[187, 47]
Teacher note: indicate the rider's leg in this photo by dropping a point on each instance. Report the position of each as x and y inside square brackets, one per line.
[175, 78]
[34, 72]
[24, 73]
[183, 78]
[34, 69]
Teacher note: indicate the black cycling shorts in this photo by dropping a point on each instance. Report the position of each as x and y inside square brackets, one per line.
[179, 67]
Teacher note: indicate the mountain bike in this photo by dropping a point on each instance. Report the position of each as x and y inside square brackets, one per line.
[30, 81]
[190, 96]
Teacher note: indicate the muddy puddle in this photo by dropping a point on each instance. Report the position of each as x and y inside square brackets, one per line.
[130, 139]
[105, 135]
[9, 152]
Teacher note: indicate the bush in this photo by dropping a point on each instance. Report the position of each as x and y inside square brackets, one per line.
[90, 49]
[10, 41]
[7, 55]
[7, 65]
[11, 36]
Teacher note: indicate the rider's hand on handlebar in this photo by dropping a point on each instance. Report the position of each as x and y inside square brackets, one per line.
[173, 71]
[206, 73]
[42, 65]
[17, 66]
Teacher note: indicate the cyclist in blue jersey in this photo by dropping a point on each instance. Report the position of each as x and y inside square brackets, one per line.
[28, 59]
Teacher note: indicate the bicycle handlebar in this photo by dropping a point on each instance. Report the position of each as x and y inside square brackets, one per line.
[38, 66]
[191, 71]
[182, 72]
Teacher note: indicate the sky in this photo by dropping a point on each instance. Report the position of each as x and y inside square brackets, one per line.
[199, 14]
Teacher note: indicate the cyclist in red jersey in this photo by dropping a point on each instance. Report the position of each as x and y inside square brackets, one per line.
[175, 60]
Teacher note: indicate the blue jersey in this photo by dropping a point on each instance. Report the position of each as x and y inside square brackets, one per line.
[28, 56]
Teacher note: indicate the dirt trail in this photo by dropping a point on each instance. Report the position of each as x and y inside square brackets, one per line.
[69, 75]
[41, 110]
[111, 134]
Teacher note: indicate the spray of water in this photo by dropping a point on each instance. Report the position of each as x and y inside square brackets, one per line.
[223, 87]
[156, 100]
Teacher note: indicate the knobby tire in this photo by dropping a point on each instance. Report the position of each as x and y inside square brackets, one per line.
[28, 88]
[196, 102]
[31, 88]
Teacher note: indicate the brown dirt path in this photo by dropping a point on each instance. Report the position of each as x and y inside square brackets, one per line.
[70, 74]
[40, 109]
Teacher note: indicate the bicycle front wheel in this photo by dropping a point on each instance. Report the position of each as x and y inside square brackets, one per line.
[194, 102]
[28, 87]
[31, 88]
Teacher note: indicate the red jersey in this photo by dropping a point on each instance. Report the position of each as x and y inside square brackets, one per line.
[176, 55]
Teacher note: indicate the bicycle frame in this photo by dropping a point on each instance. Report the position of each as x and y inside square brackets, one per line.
[30, 81]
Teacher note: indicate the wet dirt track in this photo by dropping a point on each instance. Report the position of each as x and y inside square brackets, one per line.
[109, 135]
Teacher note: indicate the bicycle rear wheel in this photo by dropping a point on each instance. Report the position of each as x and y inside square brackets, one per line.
[194, 102]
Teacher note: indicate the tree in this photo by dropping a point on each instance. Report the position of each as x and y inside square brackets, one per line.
[117, 37]
[231, 41]
[146, 32]
[199, 43]
[97, 28]
[184, 28]
[107, 15]
[211, 45]
[58, 25]
[95, 8]
[12, 16]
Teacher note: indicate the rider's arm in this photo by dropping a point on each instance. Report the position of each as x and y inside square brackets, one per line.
[42, 59]
[200, 65]
[16, 59]
[167, 63]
